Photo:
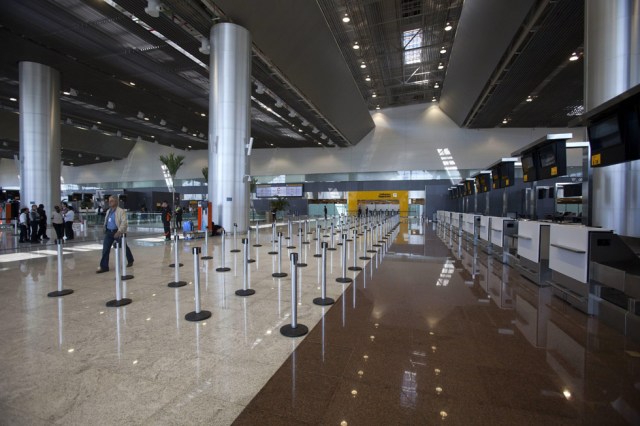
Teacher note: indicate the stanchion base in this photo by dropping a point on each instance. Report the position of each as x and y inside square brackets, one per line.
[59, 293]
[323, 302]
[350, 240]
[197, 316]
[291, 247]
[223, 269]
[376, 245]
[301, 265]
[116, 303]
[332, 249]
[173, 265]
[279, 274]
[206, 257]
[306, 242]
[344, 280]
[364, 258]
[244, 293]
[288, 331]
[251, 261]
[355, 268]
[176, 284]
[272, 252]
[126, 277]
[339, 244]
[234, 251]
[372, 251]
[257, 245]
[317, 255]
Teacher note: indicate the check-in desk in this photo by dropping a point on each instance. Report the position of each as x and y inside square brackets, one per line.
[442, 222]
[456, 225]
[502, 231]
[471, 226]
[533, 251]
[571, 250]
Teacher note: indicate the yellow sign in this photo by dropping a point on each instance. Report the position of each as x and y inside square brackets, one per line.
[506, 182]
[596, 159]
[370, 197]
[525, 178]
[554, 171]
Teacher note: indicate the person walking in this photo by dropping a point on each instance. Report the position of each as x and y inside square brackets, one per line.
[58, 222]
[34, 220]
[115, 224]
[42, 225]
[68, 215]
[23, 220]
[166, 220]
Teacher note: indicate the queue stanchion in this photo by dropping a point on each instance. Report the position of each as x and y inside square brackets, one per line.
[289, 227]
[344, 279]
[119, 300]
[206, 247]
[300, 264]
[364, 249]
[317, 231]
[318, 254]
[15, 227]
[198, 314]
[290, 237]
[223, 268]
[249, 260]
[123, 259]
[323, 300]
[306, 232]
[294, 329]
[371, 250]
[376, 238]
[176, 271]
[235, 239]
[176, 263]
[333, 246]
[257, 244]
[274, 239]
[245, 291]
[60, 291]
[355, 266]
[279, 274]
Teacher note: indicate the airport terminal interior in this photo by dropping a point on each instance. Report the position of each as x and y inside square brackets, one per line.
[323, 212]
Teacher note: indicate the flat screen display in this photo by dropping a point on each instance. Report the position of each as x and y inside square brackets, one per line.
[573, 190]
[547, 156]
[469, 187]
[605, 133]
[279, 190]
[507, 174]
[483, 182]
[529, 169]
[553, 160]
[495, 177]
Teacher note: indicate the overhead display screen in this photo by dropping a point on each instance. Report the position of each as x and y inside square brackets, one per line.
[483, 182]
[529, 167]
[280, 190]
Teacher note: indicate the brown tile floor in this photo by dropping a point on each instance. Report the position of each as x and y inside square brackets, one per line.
[433, 338]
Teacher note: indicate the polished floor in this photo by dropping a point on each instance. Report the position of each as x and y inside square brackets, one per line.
[427, 334]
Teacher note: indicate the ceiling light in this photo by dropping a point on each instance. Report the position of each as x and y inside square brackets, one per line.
[13, 99]
[529, 99]
[505, 121]
[153, 137]
[189, 146]
[443, 50]
[132, 83]
[259, 88]
[99, 122]
[140, 114]
[323, 136]
[435, 86]
[66, 93]
[356, 46]
[163, 122]
[367, 78]
[300, 130]
[573, 57]
[377, 106]
[201, 135]
[292, 113]
[346, 18]
[71, 164]
[279, 103]
[315, 130]
[304, 122]
[440, 66]
[97, 158]
[202, 114]
[153, 8]
[146, 119]
[363, 65]
[448, 27]
[373, 95]
[111, 105]
[433, 99]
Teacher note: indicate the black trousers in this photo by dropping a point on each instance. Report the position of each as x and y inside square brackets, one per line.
[34, 232]
[68, 230]
[23, 233]
[167, 230]
[59, 228]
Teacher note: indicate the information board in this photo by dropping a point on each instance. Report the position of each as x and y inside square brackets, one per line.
[279, 190]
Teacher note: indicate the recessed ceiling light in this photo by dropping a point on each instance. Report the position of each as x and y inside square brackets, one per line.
[435, 86]
[146, 119]
[132, 83]
[13, 99]
[367, 78]
[66, 93]
[374, 95]
[346, 18]
[203, 114]
[433, 99]
[356, 45]
[99, 122]
[189, 146]
[448, 27]
[440, 66]
[505, 121]
[377, 106]
[443, 50]
[363, 65]
[529, 99]
[573, 57]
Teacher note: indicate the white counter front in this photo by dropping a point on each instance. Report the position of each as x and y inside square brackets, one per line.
[456, 218]
[569, 250]
[533, 240]
[485, 223]
[497, 225]
[468, 222]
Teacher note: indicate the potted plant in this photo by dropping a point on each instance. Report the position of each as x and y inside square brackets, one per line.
[172, 163]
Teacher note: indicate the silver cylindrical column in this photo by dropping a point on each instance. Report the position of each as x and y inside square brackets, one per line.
[60, 291]
[245, 291]
[612, 65]
[39, 134]
[344, 279]
[119, 300]
[198, 314]
[229, 123]
[323, 299]
[294, 329]
[279, 274]
[223, 267]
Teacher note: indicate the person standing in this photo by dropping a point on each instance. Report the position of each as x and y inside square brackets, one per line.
[325, 212]
[359, 211]
[42, 225]
[68, 215]
[115, 224]
[58, 222]
[179, 217]
[34, 220]
[24, 213]
[166, 220]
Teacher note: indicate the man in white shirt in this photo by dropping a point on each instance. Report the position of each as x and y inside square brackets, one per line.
[68, 215]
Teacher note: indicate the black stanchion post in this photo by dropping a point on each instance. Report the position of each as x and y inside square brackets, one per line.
[60, 291]
[323, 300]
[119, 300]
[355, 266]
[175, 253]
[206, 247]
[123, 259]
[235, 239]
[344, 279]
[279, 274]
[223, 268]
[197, 315]
[294, 329]
[246, 291]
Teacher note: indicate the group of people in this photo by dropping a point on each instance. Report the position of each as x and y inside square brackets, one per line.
[33, 223]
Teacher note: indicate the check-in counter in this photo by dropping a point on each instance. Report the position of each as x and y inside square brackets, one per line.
[533, 251]
[502, 230]
[571, 250]
[471, 225]
[485, 224]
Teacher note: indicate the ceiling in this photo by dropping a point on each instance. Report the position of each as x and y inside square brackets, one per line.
[128, 75]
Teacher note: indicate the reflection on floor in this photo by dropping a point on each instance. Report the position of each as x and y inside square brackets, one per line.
[439, 334]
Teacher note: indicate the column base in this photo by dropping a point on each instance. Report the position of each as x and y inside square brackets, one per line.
[59, 293]
[323, 302]
[176, 284]
[116, 303]
[288, 331]
[244, 293]
[197, 316]
[344, 280]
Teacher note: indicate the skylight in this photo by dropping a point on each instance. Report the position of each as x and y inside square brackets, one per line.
[412, 41]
